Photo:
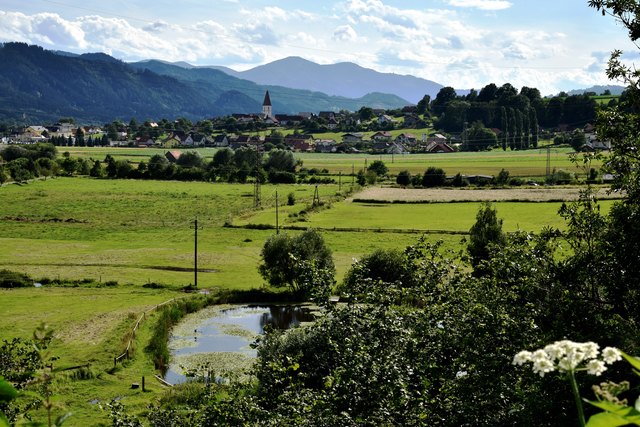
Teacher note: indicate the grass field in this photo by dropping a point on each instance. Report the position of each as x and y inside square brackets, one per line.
[528, 163]
[136, 232]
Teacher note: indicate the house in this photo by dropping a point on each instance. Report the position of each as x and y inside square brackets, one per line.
[384, 118]
[381, 136]
[437, 138]
[352, 137]
[406, 139]
[299, 142]
[439, 147]
[332, 123]
[327, 115]
[172, 155]
[411, 120]
[221, 141]
[200, 140]
[288, 119]
[594, 144]
[396, 148]
[326, 146]
[146, 142]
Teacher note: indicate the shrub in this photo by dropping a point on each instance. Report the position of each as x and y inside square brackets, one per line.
[12, 279]
[291, 199]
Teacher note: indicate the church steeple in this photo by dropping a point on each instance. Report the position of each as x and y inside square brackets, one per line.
[267, 109]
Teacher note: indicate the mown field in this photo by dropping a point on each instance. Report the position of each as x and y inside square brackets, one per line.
[528, 163]
[137, 232]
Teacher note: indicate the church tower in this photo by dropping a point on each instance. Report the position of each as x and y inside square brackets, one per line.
[267, 110]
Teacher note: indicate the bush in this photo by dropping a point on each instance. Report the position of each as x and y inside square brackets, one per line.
[12, 279]
[281, 177]
[291, 199]
[404, 178]
[433, 177]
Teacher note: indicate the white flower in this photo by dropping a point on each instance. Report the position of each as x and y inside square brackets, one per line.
[590, 350]
[522, 357]
[539, 355]
[610, 355]
[554, 351]
[596, 367]
[565, 365]
[542, 366]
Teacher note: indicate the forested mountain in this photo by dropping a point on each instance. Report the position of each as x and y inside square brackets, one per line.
[36, 84]
[285, 100]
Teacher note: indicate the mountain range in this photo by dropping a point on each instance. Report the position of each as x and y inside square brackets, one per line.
[341, 79]
[37, 84]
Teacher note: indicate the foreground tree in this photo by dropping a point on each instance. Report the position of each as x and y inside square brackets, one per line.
[284, 257]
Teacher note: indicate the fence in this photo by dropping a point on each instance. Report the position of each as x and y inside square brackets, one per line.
[126, 354]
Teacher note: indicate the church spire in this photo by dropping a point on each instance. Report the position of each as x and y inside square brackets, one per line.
[267, 110]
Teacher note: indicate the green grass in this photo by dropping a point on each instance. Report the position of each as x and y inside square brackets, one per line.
[448, 217]
[136, 232]
[527, 163]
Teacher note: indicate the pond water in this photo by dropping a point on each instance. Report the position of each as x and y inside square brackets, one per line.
[222, 336]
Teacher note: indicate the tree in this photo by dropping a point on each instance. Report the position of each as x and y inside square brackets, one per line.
[478, 138]
[96, 170]
[444, 96]
[366, 113]
[157, 166]
[578, 139]
[423, 105]
[190, 159]
[283, 254]
[433, 177]
[281, 160]
[486, 231]
[488, 93]
[404, 178]
[378, 167]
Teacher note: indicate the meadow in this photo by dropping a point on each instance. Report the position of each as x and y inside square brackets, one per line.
[139, 233]
[527, 163]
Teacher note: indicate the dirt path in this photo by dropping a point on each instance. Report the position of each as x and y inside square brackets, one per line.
[536, 194]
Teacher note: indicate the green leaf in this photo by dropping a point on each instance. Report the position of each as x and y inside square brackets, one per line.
[7, 392]
[617, 414]
[606, 419]
[4, 422]
[635, 362]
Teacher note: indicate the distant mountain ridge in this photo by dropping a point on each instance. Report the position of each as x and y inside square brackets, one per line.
[37, 84]
[340, 79]
[599, 89]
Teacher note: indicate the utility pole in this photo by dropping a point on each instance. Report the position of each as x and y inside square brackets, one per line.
[353, 175]
[548, 162]
[277, 224]
[256, 189]
[195, 252]
[316, 197]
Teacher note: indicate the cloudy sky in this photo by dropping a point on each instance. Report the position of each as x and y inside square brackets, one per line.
[550, 44]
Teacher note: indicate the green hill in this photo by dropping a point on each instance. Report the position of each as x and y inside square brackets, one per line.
[40, 85]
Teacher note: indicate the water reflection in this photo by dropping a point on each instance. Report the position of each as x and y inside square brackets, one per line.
[233, 330]
[285, 317]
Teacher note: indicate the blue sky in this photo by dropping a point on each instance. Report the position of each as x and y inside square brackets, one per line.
[553, 45]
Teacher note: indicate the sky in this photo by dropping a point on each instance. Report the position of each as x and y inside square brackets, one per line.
[553, 45]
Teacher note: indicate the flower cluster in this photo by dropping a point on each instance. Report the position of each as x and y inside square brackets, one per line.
[566, 356]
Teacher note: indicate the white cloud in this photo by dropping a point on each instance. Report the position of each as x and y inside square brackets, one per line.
[345, 33]
[482, 4]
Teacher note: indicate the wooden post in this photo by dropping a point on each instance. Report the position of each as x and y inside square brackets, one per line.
[143, 383]
[115, 362]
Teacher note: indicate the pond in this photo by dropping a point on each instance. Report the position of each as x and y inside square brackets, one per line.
[218, 338]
